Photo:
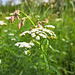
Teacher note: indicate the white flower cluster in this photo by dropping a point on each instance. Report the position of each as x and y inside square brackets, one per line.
[2, 23]
[13, 39]
[11, 34]
[7, 18]
[24, 44]
[58, 19]
[50, 26]
[5, 30]
[36, 33]
[27, 52]
[11, 14]
[40, 32]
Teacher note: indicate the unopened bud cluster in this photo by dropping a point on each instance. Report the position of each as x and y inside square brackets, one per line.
[42, 22]
[16, 15]
[22, 23]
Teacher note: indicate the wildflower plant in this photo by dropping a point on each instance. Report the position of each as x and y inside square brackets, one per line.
[27, 43]
[40, 36]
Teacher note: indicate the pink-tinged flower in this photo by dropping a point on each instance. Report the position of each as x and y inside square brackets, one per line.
[19, 25]
[43, 25]
[23, 19]
[43, 21]
[37, 20]
[31, 28]
[38, 25]
[46, 20]
[12, 18]
[16, 12]
[22, 23]
[17, 17]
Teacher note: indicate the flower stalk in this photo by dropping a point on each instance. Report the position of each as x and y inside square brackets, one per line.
[28, 18]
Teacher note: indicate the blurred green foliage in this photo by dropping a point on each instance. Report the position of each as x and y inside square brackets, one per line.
[61, 52]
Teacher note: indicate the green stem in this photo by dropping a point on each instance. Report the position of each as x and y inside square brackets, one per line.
[28, 18]
[45, 57]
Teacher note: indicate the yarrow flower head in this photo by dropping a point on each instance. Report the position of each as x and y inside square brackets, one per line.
[40, 32]
[2, 23]
[58, 19]
[7, 18]
[11, 34]
[24, 44]
[50, 26]
[44, 36]
[13, 39]
[5, 30]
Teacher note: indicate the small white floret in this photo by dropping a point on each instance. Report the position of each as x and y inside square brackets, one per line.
[11, 34]
[26, 52]
[38, 38]
[7, 18]
[33, 35]
[31, 43]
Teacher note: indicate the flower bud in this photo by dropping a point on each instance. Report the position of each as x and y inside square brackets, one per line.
[42, 24]
[37, 20]
[12, 18]
[31, 28]
[16, 12]
[43, 21]
[39, 26]
[17, 17]
[22, 23]
[19, 26]
[46, 20]
[23, 19]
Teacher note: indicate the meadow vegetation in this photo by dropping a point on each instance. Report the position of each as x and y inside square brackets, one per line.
[37, 39]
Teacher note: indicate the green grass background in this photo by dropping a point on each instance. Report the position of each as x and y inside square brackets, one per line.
[61, 57]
